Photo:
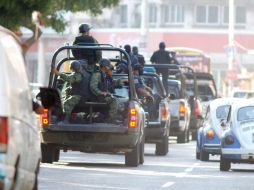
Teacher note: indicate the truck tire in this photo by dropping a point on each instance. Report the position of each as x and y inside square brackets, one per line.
[56, 154]
[204, 156]
[142, 150]
[188, 135]
[225, 164]
[194, 135]
[132, 158]
[162, 147]
[47, 153]
[182, 138]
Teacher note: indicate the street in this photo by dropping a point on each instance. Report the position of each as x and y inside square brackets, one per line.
[176, 171]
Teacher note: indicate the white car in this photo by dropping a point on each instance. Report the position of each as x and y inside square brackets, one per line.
[237, 143]
[20, 152]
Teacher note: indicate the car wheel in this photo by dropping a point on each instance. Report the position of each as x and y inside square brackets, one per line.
[142, 151]
[47, 153]
[225, 164]
[162, 147]
[132, 158]
[204, 156]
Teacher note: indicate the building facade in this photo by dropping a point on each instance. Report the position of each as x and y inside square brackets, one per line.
[199, 24]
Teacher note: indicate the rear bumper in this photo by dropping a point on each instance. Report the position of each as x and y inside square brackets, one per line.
[239, 151]
[89, 139]
[155, 134]
[177, 127]
[212, 148]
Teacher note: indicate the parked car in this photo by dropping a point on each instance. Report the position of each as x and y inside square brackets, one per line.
[20, 152]
[92, 135]
[237, 142]
[209, 134]
[158, 127]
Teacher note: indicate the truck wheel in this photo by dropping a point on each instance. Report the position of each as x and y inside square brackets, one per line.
[194, 135]
[56, 154]
[182, 138]
[142, 151]
[197, 155]
[204, 156]
[188, 135]
[47, 153]
[162, 147]
[132, 158]
[225, 164]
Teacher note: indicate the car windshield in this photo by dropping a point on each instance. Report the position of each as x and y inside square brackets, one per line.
[245, 113]
[222, 112]
[190, 89]
[174, 88]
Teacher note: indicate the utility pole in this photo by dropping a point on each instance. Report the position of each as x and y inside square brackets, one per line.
[231, 48]
[144, 27]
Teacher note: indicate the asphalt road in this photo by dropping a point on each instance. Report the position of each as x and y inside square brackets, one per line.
[177, 171]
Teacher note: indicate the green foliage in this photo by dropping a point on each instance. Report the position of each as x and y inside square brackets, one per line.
[16, 13]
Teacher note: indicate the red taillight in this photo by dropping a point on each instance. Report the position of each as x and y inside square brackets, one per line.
[182, 110]
[3, 134]
[133, 118]
[163, 112]
[45, 118]
[197, 109]
[210, 134]
[229, 139]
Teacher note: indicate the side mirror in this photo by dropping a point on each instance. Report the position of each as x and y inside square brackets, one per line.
[222, 123]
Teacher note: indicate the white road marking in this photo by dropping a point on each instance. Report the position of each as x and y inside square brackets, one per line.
[81, 185]
[168, 184]
[188, 170]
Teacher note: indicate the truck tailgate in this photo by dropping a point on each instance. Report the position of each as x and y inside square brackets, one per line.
[174, 108]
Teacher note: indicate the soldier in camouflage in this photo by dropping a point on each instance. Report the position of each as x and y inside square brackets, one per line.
[75, 80]
[99, 88]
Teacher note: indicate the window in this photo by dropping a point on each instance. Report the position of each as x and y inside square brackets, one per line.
[207, 14]
[240, 17]
[172, 14]
[123, 14]
[152, 13]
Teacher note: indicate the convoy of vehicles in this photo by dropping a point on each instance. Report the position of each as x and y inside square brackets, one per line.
[19, 139]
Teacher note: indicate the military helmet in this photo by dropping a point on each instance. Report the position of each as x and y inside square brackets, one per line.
[84, 27]
[105, 63]
[75, 66]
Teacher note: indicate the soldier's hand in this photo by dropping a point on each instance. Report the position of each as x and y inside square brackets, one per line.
[104, 93]
[55, 71]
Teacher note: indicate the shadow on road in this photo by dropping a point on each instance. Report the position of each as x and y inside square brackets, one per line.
[91, 164]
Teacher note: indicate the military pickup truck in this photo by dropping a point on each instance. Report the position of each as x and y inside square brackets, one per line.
[158, 128]
[91, 135]
[178, 105]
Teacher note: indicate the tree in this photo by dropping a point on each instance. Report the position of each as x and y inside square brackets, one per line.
[16, 13]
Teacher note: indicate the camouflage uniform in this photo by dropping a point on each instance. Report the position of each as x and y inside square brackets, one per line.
[71, 101]
[98, 85]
